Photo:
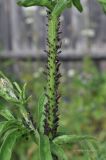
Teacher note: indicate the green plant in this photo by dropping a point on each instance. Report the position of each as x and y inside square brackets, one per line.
[44, 133]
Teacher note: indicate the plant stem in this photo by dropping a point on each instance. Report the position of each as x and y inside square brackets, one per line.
[51, 123]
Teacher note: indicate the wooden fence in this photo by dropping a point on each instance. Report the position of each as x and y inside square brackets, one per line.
[22, 32]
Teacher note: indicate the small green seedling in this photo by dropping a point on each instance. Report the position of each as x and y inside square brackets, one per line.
[45, 133]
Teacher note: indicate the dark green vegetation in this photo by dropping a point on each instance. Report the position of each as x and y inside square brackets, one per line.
[44, 133]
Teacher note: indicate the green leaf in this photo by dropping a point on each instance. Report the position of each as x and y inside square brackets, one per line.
[61, 6]
[78, 5]
[17, 87]
[69, 139]
[8, 125]
[6, 114]
[28, 3]
[4, 77]
[6, 89]
[21, 93]
[24, 91]
[8, 144]
[41, 116]
[44, 150]
[2, 124]
[102, 1]
[91, 149]
[4, 127]
[69, 3]
[58, 151]
[103, 4]
[35, 136]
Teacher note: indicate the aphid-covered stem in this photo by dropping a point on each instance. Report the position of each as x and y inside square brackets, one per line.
[53, 75]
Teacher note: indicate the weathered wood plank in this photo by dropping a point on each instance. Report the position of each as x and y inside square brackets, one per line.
[38, 55]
